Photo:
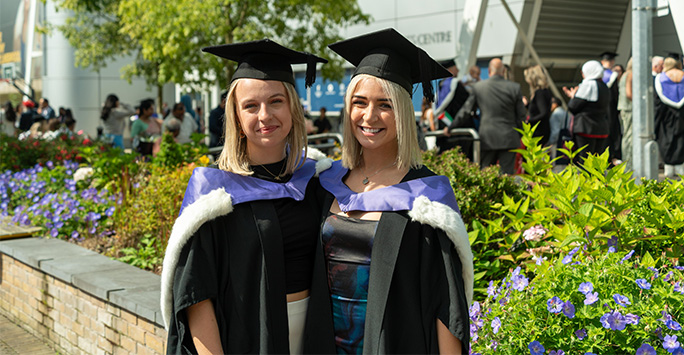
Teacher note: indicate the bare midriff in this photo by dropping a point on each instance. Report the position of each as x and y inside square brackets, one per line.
[292, 297]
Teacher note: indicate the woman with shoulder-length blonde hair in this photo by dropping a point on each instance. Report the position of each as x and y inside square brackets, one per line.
[539, 107]
[393, 250]
[234, 157]
[237, 270]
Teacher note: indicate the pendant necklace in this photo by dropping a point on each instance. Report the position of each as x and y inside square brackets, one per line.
[366, 179]
[275, 177]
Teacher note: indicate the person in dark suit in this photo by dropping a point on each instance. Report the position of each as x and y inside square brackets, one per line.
[501, 112]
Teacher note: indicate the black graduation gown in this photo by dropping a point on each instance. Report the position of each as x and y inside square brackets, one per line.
[415, 278]
[236, 260]
[669, 131]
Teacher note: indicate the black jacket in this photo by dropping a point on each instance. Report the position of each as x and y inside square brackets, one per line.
[591, 117]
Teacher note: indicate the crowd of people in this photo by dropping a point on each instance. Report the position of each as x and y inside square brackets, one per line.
[598, 115]
[29, 119]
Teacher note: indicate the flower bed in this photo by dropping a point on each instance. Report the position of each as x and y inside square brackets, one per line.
[615, 303]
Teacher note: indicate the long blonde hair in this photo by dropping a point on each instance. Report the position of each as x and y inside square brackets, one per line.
[234, 157]
[408, 152]
[535, 77]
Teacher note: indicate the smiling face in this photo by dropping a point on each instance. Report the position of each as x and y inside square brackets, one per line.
[263, 111]
[373, 118]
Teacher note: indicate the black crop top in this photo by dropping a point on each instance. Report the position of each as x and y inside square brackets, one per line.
[299, 227]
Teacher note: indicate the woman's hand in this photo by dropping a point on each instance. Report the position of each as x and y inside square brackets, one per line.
[570, 92]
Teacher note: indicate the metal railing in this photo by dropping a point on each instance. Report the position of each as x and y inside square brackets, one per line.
[469, 133]
[324, 139]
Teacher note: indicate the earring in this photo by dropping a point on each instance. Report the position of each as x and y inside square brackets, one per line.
[242, 133]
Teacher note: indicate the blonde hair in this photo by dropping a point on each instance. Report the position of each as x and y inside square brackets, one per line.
[408, 151]
[671, 63]
[535, 77]
[234, 156]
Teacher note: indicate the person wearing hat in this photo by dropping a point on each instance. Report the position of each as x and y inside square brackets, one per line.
[237, 269]
[610, 78]
[28, 117]
[669, 116]
[589, 102]
[394, 250]
[451, 96]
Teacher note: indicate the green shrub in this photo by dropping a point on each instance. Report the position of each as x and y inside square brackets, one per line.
[476, 191]
[518, 311]
[19, 155]
[589, 205]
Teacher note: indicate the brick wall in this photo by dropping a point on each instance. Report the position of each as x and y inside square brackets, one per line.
[69, 319]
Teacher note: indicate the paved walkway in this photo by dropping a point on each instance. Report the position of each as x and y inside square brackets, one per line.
[14, 340]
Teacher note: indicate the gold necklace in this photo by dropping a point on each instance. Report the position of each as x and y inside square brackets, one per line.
[366, 181]
[275, 177]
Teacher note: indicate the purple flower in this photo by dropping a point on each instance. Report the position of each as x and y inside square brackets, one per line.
[50, 164]
[536, 348]
[557, 352]
[573, 251]
[110, 211]
[519, 282]
[629, 255]
[611, 249]
[678, 288]
[591, 298]
[491, 290]
[612, 242]
[475, 309]
[670, 343]
[646, 349]
[632, 319]
[621, 300]
[668, 276]
[678, 351]
[54, 232]
[496, 324]
[643, 284]
[554, 305]
[586, 287]
[581, 334]
[569, 309]
[673, 325]
[655, 271]
[74, 234]
[567, 259]
[613, 321]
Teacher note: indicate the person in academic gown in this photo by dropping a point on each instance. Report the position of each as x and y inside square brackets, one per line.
[669, 116]
[237, 270]
[394, 250]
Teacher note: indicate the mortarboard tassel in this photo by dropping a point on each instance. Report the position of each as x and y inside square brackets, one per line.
[310, 70]
[425, 73]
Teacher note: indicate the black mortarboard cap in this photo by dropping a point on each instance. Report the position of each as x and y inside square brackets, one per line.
[608, 55]
[388, 55]
[674, 55]
[266, 60]
[448, 63]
